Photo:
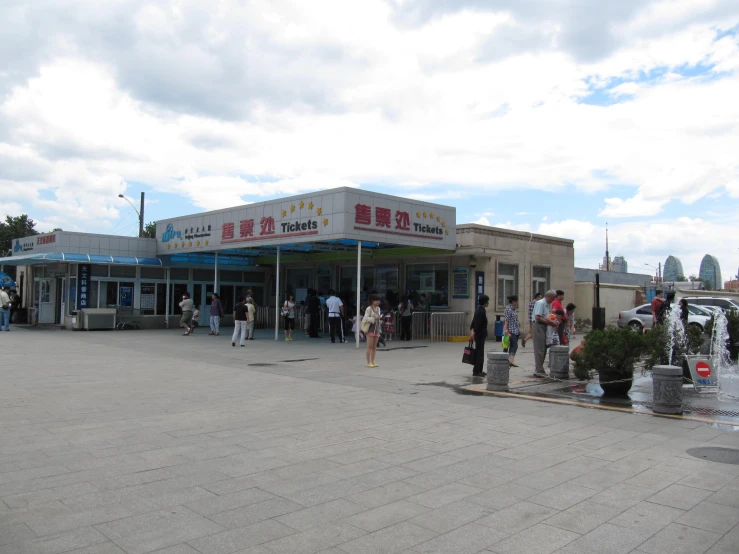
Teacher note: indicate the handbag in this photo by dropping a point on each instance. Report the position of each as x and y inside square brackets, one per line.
[506, 341]
[469, 354]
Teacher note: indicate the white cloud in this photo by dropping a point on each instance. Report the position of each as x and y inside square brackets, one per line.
[482, 221]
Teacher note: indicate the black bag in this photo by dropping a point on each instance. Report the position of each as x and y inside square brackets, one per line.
[469, 355]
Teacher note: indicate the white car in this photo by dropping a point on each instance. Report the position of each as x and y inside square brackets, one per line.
[640, 318]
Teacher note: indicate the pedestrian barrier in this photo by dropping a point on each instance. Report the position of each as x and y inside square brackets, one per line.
[265, 317]
[449, 327]
[421, 326]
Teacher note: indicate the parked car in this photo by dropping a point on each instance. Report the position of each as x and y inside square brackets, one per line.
[640, 318]
[712, 301]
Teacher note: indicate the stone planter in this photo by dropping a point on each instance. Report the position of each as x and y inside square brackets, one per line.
[559, 356]
[617, 388]
[667, 384]
[498, 369]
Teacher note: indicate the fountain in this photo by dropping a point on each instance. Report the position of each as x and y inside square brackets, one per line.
[726, 371]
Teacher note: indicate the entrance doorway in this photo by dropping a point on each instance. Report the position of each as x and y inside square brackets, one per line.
[46, 295]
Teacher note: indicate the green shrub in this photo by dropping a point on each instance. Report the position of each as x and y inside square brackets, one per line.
[612, 352]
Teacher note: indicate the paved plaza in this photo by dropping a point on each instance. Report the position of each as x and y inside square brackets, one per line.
[148, 441]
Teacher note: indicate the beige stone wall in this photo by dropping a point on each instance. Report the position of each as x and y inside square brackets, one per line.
[614, 298]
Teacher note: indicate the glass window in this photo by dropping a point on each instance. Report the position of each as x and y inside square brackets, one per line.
[387, 279]
[204, 275]
[431, 280]
[92, 294]
[178, 290]
[179, 274]
[253, 277]
[161, 300]
[147, 298]
[128, 271]
[227, 298]
[98, 270]
[507, 282]
[541, 280]
[197, 296]
[230, 275]
[153, 273]
[108, 294]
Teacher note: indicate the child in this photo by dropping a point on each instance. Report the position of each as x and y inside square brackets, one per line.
[552, 336]
[195, 318]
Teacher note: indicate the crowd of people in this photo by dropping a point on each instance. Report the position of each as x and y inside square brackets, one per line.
[550, 323]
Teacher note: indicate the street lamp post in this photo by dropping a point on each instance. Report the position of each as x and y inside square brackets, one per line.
[139, 212]
[658, 269]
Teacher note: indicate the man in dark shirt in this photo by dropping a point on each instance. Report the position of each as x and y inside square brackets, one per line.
[478, 333]
[240, 318]
[314, 310]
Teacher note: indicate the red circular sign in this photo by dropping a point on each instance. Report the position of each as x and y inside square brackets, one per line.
[703, 369]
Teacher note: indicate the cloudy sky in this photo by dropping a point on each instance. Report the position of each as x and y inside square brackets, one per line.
[554, 116]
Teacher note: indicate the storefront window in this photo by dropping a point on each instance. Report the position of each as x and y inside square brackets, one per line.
[387, 279]
[507, 283]
[161, 300]
[147, 298]
[541, 280]
[92, 294]
[99, 270]
[227, 298]
[127, 271]
[432, 280]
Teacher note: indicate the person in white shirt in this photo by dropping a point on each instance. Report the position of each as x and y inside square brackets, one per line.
[5, 309]
[335, 316]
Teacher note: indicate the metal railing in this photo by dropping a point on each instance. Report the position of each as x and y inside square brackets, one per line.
[448, 324]
[421, 326]
[265, 317]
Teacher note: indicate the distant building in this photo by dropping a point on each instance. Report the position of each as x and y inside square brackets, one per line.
[673, 269]
[731, 285]
[620, 265]
[710, 272]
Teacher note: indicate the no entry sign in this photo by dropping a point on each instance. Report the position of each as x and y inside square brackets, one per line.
[703, 369]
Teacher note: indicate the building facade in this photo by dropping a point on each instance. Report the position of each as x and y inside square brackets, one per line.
[710, 272]
[673, 270]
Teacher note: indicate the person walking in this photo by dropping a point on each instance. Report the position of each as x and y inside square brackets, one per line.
[405, 312]
[570, 312]
[288, 311]
[187, 308]
[542, 322]
[335, 308]
[374, 318]
[478, 333]
[216, 312]
[684, 313]
[15, 304]
[314, 308]
[251, 318]
[511, 329]
[531, 320]
[241, 316]
[5, 308]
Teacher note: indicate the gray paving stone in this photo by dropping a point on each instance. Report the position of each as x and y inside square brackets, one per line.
[729, 544]
[385, 516]
[583, 517]
[647, 517]
[606, 539]
[562, 496]
[326, 493]
[13, 532]
[711, 517]
[726, 496]
[680, 539]
[254, 513]
[451, 516]
[214, 505]
[389, 540]
[315, 539]
[622, 496]
[444, 495]
[679, 496]
[539, 539]
[329, 512]
[517, 517]
[55, 544]
[241, 538]
[469, 539]
[112, 548]
[385, 494]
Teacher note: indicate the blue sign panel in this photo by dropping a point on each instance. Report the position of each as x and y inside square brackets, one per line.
[83, 286]
[479, 286]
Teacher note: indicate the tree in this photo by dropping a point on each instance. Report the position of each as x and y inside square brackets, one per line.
[150, 230]
[681, 278]
[15, 228]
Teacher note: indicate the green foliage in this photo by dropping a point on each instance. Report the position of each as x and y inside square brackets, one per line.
[150, 230]
[612, 352]
[15, 228]
[732, 325]
[682, 278]
[656, 346]
[581, 370]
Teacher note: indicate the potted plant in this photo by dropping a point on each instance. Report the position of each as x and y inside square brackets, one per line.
[612, 352]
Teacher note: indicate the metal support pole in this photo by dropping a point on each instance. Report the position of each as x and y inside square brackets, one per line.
[215, 276]
[277, 297]
[141, 217]
[166, 302]
[359, 287]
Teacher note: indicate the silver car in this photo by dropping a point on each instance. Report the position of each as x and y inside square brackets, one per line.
[640, 318]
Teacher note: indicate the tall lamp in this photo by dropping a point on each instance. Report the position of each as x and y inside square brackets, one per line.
[139, 212]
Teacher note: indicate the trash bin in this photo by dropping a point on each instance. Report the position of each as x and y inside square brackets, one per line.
[498, 328]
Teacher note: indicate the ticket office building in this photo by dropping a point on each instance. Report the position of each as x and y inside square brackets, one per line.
[292, 245]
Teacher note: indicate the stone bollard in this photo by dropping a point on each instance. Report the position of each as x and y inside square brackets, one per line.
[498, 368]
[560, 358]
[667, 389]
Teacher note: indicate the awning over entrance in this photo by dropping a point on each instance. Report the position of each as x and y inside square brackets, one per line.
[41, 258]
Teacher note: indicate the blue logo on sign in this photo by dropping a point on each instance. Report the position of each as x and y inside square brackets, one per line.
[17, 247]
[170, 234]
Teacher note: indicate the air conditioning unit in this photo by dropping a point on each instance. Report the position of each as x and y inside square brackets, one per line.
[98, 318]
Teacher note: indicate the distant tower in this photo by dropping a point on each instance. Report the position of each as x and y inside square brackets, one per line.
[620, 265]
[673, 269]
[710, 272]
[606, 265]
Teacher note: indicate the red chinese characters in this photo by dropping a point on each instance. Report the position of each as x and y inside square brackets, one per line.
[46, 240]
[227, 231]
[402, 221]
[363, 214]
[267, 225]
[246, 228]
[383, 217]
